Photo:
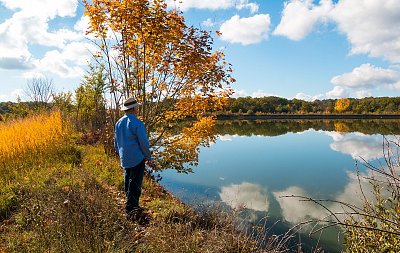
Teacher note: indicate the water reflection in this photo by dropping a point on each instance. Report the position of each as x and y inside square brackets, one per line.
[281, 127]
[360, 146]
[246, 195]
[254, 163]
[295, 211]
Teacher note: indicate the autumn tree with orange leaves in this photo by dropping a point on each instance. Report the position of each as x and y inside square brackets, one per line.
[171, 69]
[342, 104]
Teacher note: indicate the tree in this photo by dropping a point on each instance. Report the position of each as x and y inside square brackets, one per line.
[63, 101]
[342, 104]
[40, 90]
[90, 102]
[171, 69]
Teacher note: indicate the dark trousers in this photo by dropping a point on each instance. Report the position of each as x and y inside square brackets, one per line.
[133, 178]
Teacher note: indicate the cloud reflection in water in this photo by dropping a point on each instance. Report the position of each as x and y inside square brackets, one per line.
[295, 211]
[248, 195]
[359, 146]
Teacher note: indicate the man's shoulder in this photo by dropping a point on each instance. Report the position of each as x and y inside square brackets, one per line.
[131, 120]
[134, 118]
[121, 119]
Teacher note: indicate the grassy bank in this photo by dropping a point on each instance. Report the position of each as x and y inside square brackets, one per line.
[63, 197]
[79, 208]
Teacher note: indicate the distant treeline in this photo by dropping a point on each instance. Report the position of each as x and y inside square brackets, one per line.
[6, 107]
[20, 108]
[11, 107]
[280, 127]
[278, 105]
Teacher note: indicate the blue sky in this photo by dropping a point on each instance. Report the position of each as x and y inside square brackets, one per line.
[295, 49]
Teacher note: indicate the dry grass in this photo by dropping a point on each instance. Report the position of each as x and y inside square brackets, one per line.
[28, 149]
[31, 135]
[77, 215]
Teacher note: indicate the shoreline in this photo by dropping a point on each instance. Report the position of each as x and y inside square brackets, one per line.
[309, 116]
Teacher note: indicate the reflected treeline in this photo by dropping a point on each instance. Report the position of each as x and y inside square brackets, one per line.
[280, 127]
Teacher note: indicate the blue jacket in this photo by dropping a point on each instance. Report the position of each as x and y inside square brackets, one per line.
[130, 141]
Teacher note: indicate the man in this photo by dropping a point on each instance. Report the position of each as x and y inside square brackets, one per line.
[132, 145]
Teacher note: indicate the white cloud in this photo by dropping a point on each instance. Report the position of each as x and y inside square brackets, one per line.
[303, 96]
[257, 93]
[201, 4]
[33, 74]
[78, 52]
[246, 31]
[29, 26]
[55, 62]
[3, 98]
[360, 83]
[244, 4]
[367, 75]
[261, 93]
[363, 94]
[14, 53]
[247, 195]
[83, 24]
[33, 30]
[342, 92]
[46, 8]
[371, 26]
[67, 63]
[337, 92]
[213, 4]
[299, 18]
[240, 93]
[17, 62]
[18, 93]
[208, 23]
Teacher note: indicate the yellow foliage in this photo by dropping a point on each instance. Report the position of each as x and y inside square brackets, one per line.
[33, 134]
[341, 127]
[342, 104]
[182, 149]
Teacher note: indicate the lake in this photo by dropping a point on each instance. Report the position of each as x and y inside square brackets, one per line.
[254, 164]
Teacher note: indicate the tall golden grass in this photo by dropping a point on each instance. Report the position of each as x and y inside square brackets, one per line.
[26, 145]
[34, 134]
